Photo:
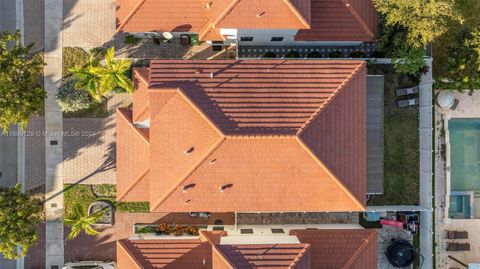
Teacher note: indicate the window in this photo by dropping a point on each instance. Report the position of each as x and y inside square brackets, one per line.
[277, 38]
[218, 228]
[246, 231]
[277, 231]
[246, 38]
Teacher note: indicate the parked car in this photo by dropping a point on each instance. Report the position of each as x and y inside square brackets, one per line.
[90, 265]
[204, 215]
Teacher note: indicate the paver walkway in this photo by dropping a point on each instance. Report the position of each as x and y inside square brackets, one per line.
[53, 135]
[88, 23]
[89, 152]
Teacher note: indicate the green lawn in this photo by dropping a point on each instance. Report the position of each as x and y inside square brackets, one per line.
[83, 194]
[401, 142]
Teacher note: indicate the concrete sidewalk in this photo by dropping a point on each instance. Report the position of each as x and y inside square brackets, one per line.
[54, 135]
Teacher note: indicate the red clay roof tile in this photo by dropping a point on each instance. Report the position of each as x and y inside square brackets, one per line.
[340, 20]
[332, 249]
[254, 126]
[319, 18]
[346, 249]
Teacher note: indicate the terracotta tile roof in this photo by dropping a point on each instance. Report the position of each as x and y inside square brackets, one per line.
[340, 20]
[267, 256]
[133, 160]
[341, 248]
[175, 253]
[332, 249]
[264, 115]
[206, 17]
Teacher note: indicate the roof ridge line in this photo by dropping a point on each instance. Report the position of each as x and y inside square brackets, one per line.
[187, 174]
[208, 153]
[145, 109]
[142, 135]
[330, 99]
[212, 23]
[330, 173]
[134, 183]
[300, 255]
[130, 15]
[223, 257]
[139, 74]
[359, 18]
[297, 13]
[200, 111]
[132, 258]
[359, 250]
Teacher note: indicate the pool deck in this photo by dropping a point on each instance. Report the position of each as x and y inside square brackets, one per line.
[468, 107]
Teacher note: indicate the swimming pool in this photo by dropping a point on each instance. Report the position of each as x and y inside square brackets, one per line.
[464, 154]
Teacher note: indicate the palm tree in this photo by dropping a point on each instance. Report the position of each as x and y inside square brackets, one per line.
[99, 79]
[88, 78]
[81, 221]
[113, 73]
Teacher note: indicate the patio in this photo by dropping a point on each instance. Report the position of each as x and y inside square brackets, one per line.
[150, 48]
[467, 108]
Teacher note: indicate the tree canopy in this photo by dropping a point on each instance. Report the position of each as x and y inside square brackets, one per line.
[19, 216]
[82, 221]
[20, 81]
[100, 79]
[424, 20]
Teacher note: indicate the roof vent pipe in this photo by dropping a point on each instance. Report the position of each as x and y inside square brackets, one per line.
[209, 4]
[189, 151]
[212, 74]
[226, 186]
[187, 187]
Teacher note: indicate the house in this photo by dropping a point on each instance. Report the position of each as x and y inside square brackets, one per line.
[245, 136]
[254, 22]
[313, 249]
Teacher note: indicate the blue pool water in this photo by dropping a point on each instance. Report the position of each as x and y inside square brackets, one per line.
[465, 154]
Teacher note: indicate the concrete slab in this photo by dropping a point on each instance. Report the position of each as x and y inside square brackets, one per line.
[54, 244]
[375, 86]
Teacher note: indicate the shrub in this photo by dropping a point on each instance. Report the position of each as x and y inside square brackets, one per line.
[98, 53]
[164, 228]
[73, 57]
[292, 54]
[178, 230]
[409, 61]
[314, 54]
[335, 54]
[357, 54]
[192, 230]
[270, 54]
[131, 39]
[69, 99]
